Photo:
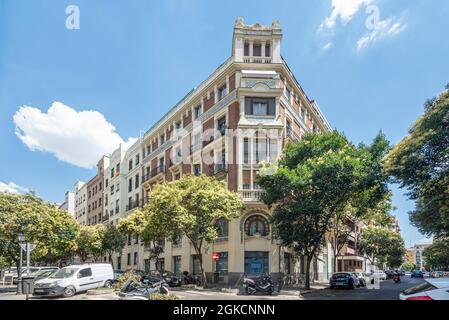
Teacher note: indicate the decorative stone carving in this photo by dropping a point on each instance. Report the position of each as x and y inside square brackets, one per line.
[239, 22]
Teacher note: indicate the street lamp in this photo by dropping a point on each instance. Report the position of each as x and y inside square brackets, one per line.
[19, 272]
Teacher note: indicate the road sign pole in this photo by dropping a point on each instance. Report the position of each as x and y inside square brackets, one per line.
[28, 259]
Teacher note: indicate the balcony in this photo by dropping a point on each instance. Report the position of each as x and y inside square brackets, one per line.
[117, 210]
[105, 218]
[253, 59]
[251, 195]
[132, 205]
[158, 170]
[146, 177]
[219, 168]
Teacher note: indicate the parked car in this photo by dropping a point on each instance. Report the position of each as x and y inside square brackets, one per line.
[117, 275]
[431, 289]
[417, 274]
[344, 280]
[380, 275]
[43, 273]
[73, 279]
[426, 274]
[362, 279]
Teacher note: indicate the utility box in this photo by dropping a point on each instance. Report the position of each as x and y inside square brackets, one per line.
[27, 285]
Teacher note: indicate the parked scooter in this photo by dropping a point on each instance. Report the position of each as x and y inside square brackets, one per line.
[262, 285]
[396, 278]
[191, 279]
[141, 291]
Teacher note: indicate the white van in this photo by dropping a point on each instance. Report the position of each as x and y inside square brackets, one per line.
[73, 279]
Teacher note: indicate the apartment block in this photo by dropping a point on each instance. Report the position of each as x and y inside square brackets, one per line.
[242, 115]
[80, 191]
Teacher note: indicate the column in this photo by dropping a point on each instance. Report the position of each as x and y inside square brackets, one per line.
[251, 49]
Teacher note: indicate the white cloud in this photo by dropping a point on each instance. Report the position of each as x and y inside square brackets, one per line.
[327, 46]
[383, 29]
[79, 138]
[12, 188]
[343, 10]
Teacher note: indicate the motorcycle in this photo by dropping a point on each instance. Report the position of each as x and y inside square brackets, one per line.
[262, 285]
[142, 291]
[396, 278]
[191, 279]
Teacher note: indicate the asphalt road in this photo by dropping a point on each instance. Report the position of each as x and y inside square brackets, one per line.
[388, 291]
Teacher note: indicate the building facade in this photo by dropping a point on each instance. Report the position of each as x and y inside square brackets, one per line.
[95, 194]
[242, 115]
[80, 191]
[69, 203]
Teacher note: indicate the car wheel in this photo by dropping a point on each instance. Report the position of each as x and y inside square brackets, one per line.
[108, 284]
[69, 292]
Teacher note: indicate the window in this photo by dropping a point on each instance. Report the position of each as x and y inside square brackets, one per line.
[129, 259]
[222, 228]
[136, 239]
[137, 181]
[287, 92]
[267, 50]
[101, 186]
[106, 183]
[196, 112]
[130, 185]
[136, 258]
[148, 150]
[112, 190]
[160, 265]
[257, 49]
[118, 168]
[162, 139]
[260, 150]
[246, 150]
[246, 49]
[256, 263]
[222, 92]
[129, 241]
[289, 127]
[130, 165]
[137, 159]
[112, 172]
[117, 187]
[260, 106]
[84, 273]
[178, 125]
[196, 264]
[221, 125]
[273, 150]
[177, 264]
[197, 169]
[257, 224]
[221, 265]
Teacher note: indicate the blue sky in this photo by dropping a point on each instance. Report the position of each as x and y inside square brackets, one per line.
[130, 61]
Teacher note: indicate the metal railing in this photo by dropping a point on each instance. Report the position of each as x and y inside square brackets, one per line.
[251, 195]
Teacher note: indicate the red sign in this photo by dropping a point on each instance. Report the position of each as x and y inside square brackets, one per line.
[216, 256]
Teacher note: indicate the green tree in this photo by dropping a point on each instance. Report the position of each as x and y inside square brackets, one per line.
[319, 177]
[420, 163]
[148, 228]
[89, 241]
[408, 266]
[382, 246]
[113, 241]
[190, 206]
[52, 230]
[437, 255]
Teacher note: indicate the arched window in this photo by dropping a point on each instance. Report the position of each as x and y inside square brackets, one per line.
[222, 228]
[257, 224]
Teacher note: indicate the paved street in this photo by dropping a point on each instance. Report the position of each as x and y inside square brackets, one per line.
[388, 291]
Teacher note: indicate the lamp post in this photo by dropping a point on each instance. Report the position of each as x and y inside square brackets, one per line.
[279, 243]
[19, 272]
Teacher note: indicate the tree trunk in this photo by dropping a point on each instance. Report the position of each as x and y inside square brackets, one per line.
[308, 263]
[203, 272]
[111, 261]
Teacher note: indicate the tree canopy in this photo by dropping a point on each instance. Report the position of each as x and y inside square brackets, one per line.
[420, 163]
[437, 255]
[90, 241]
[318, 177]
[52, 230]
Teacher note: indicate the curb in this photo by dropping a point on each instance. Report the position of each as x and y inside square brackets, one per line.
[99, 292]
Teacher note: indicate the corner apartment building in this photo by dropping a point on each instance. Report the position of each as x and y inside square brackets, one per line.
[243, 114]
[69, 203]
[95, 188]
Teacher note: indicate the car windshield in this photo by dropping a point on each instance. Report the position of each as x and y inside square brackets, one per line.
[64, 273]
[426, 286]
[341, 275]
